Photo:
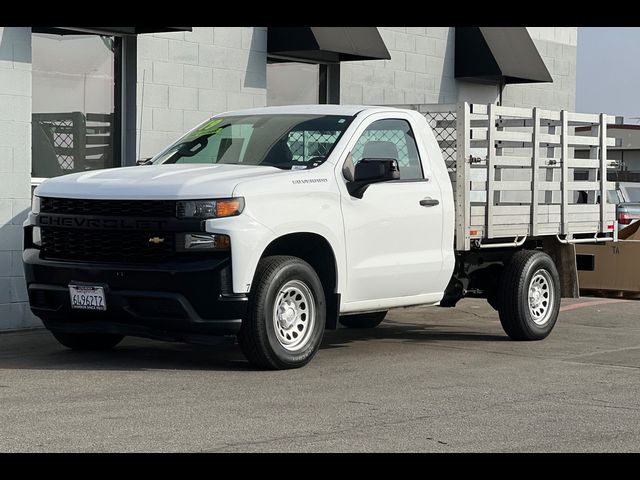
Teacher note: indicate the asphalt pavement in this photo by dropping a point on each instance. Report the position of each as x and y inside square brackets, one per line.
[426, 380]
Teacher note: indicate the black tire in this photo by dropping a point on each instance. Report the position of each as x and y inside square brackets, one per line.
[515, 313]
[88, 341]
[363, 320]
[258, 338]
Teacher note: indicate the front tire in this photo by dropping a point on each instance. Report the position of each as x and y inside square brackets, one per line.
[88, 341]
[529, 296]
[285, 318]
[363, 320]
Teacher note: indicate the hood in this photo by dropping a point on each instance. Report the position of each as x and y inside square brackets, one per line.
[154, 182]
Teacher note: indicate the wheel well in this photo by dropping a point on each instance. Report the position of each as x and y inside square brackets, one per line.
[317, 252]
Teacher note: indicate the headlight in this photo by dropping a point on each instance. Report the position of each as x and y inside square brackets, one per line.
[225, 207]
[35, 204]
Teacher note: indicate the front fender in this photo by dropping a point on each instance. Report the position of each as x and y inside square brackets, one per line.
[247, 236]
[250, 238]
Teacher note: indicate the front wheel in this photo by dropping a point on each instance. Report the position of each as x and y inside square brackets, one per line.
[285, 318]
[529, 296]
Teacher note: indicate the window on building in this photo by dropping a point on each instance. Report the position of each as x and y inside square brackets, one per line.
[390, 139]
[73, 121]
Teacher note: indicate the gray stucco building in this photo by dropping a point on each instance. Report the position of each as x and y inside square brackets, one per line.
[78, 98]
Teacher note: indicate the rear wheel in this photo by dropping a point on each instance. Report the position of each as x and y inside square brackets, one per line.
[88, 341]
[529, 296]
[363, 320]
[285, 318]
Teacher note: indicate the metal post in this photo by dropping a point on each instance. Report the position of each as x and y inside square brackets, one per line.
[564, 157]
[463, 177]
[603, 171]
[592, 173]
[491, 169]
[128, 101]
[550, 172]
[329, 83]
[535, 164]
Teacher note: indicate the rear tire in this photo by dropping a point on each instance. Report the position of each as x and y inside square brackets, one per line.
[363, 320]
[285, 318]
[88, 341]
[529, 296]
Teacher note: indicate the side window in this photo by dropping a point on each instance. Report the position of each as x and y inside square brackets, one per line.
[311, 145]
[390, 139]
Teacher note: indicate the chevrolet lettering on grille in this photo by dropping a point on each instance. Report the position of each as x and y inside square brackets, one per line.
[45, 220]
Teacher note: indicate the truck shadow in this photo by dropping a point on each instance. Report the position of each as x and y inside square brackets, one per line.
[406, 332]
[37, 350]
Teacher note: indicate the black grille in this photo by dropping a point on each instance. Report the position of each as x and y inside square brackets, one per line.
[107, 246]
[109, 208]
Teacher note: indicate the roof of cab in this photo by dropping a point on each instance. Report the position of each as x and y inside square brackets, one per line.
[349, 110]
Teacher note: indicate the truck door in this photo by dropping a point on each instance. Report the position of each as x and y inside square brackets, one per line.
[393, 234]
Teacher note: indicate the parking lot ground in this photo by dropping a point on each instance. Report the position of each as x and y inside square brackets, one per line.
[428, 379]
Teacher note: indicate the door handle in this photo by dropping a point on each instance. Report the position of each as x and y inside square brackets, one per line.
[429, 202]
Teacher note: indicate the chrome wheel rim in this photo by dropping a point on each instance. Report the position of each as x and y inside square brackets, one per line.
[540, 297]
[294, 315]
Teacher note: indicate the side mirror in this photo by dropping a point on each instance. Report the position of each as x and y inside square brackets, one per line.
[144, 161]
[372, 170]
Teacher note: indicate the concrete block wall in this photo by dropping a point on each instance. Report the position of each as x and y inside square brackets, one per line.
[421, 70]
[15, 173]
[189, 76]
[558, 48]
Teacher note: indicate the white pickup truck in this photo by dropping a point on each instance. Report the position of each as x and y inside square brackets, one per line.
[275, 223]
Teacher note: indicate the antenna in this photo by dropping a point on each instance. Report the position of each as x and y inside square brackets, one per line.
[144, 71]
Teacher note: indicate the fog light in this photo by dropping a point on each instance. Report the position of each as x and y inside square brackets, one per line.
[36, 236]
[206, 241]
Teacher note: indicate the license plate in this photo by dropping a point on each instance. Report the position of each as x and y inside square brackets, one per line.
[85, 297]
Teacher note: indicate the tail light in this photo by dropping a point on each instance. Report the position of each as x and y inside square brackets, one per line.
[624, 218]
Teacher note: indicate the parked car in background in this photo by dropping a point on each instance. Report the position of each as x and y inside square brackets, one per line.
[627, 213]
[627, 198]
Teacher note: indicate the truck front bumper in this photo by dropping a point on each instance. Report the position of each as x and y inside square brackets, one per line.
[179, 301]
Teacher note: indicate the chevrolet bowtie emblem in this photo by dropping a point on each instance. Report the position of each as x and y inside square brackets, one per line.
[156, 240]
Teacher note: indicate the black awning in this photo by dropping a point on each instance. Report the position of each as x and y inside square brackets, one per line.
[498, 55]
[108, 30]
[326, 44]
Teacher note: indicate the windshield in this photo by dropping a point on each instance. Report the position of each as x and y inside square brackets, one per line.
[283, 141]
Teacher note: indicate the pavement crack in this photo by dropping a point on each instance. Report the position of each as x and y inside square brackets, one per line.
[598, 364]
[608, 405]
[354, 428]
[601, 352]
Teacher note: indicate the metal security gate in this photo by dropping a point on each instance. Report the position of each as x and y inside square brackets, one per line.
[80, 142]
